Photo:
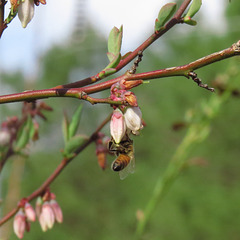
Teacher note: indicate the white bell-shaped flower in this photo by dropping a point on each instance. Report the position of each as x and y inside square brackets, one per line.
[26, 12]
[133, 119]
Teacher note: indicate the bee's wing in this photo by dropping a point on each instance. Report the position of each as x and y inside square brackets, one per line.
[130, 168]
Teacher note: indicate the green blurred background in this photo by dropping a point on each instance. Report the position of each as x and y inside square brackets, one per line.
[204, 202]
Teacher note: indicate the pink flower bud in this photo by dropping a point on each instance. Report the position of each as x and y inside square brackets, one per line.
[117, 126]
[19, 224]
[46, 218]
[26, 12]
[117, 86]
[133, 119]
[30, 213]
[57, 211]
[115, 98]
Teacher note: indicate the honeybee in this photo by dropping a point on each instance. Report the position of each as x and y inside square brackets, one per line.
[125, 162]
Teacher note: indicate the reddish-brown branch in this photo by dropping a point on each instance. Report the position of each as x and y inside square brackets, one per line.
[184, 70]
[2, 23]
[78, 84]
[56, 173]
[80, 93]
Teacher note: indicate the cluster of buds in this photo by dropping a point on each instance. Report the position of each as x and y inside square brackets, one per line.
[119, 92]
[48, 211]
[25, 9]
[101, 149]
[125, 119]
[23, 217]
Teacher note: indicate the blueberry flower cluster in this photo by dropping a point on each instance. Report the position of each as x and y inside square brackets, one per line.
[22, 219]
[47, 211]
[126, 119]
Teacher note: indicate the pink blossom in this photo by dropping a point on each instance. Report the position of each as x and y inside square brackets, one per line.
[30, 213]
[57, 211]
[46, 217]
[19, 224]
[117, 126]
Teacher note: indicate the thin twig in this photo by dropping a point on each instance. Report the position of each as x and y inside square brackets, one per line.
[197, 80]
[175, 20]
[79, 93]
[133, 69]
[184, 70]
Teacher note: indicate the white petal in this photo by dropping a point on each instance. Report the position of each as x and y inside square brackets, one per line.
[133, 119]
[26, 12]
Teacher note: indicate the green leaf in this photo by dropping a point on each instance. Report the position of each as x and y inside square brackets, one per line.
[194, 8]
[73, 126]
[165, 13]
[189, 21]
[23, 134]
[65, 126]
[115, 60]
[72, 145]
[158, 26]
[114, 43]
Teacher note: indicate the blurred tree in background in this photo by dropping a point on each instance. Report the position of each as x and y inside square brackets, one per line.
[202, 204]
